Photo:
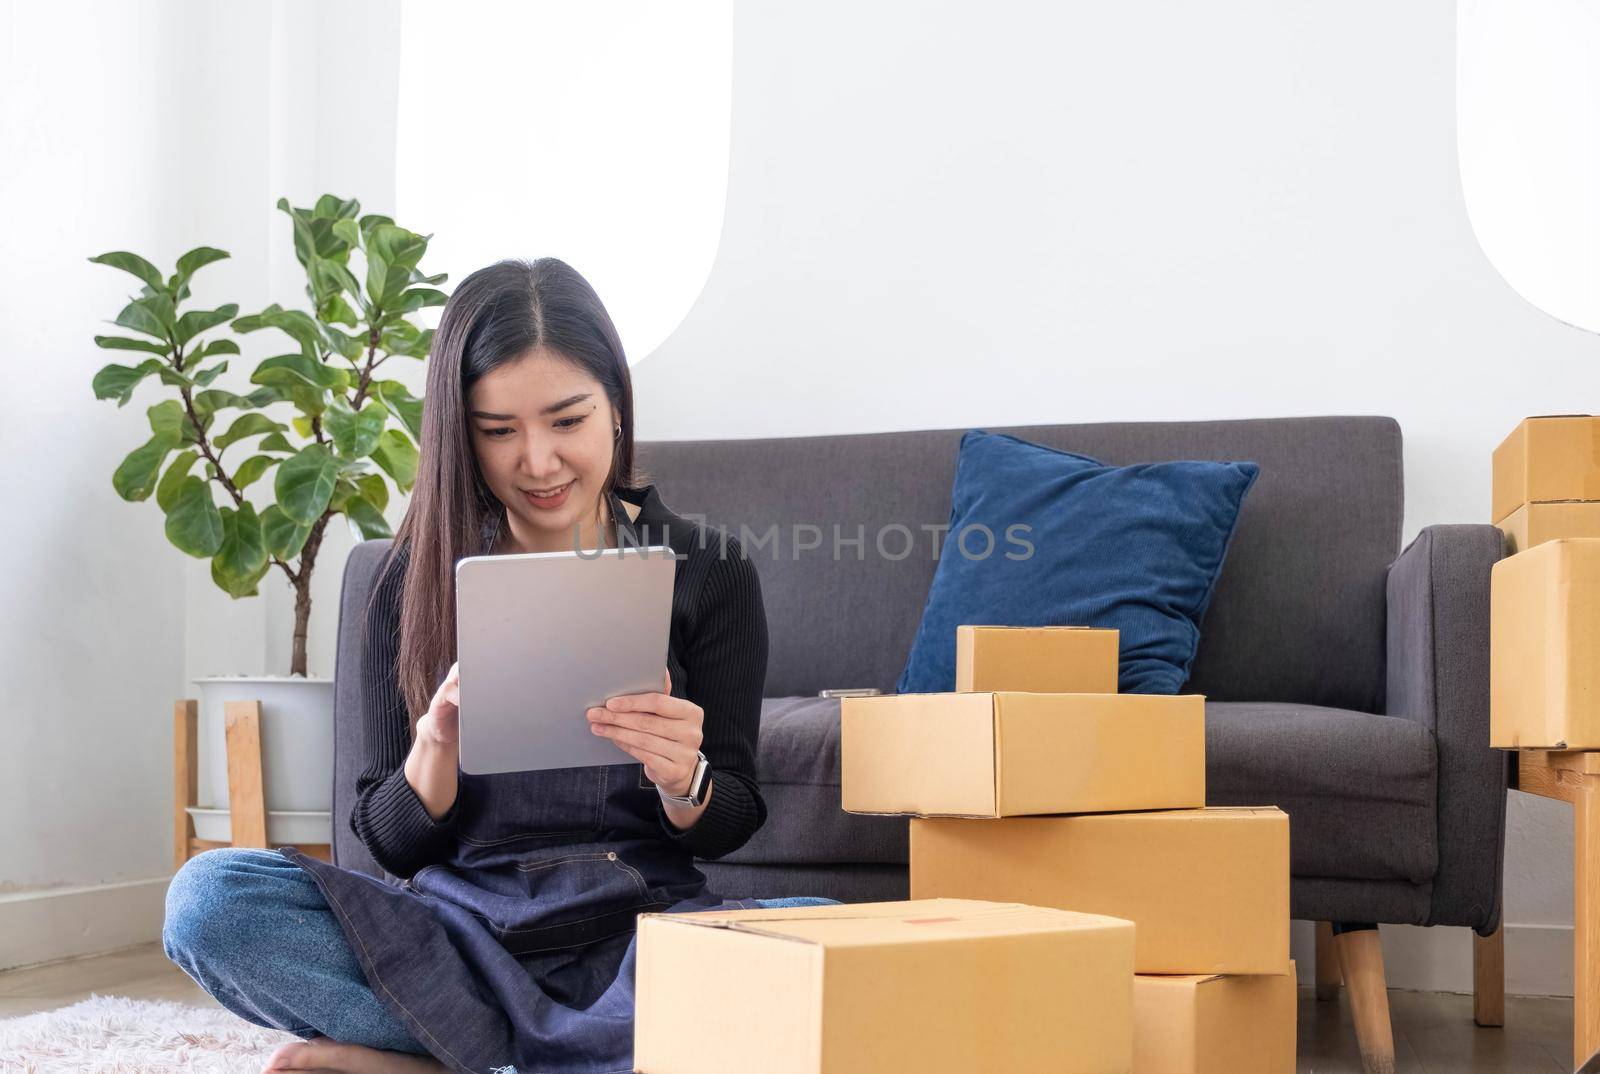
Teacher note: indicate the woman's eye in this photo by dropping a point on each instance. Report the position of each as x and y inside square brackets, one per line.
[496, 432]
[569, 423]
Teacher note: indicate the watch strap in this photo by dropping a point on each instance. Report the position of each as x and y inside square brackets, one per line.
[697, 785]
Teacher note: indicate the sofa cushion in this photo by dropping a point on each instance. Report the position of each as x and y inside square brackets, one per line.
[1359, 789]
[1044, 537]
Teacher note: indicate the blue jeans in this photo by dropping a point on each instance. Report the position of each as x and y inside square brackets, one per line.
[254, 931]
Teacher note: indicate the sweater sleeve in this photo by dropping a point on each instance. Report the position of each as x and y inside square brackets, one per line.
[726, 662]
[388, 817]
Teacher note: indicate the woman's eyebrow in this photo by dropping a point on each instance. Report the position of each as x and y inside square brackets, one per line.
[551, 409]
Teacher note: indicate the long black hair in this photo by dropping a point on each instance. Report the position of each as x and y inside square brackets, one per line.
[497, 315]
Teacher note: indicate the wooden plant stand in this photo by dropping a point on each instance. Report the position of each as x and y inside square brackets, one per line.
[247, 807]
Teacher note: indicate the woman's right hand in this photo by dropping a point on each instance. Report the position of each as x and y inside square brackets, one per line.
[442, 722]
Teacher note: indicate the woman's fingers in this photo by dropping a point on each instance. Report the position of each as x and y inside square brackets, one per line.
[666, 747]
[660, 704]
[664, 727]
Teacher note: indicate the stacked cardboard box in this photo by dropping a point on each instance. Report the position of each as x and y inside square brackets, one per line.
[1544, 664]
[1083, 799]
[934, 986]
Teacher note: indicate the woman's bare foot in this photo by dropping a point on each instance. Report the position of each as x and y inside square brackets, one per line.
[324, 1054]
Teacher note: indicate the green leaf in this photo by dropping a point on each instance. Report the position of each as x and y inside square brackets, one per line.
[194, 322]
[374, 490]
[118, 381]
[194, 261]
[193, 523]
[212, 400]
[355, 435]
[123, 343]
[211, 347]
[296, 324]
[313, 234]
[335, 310]
[345, 345]
[297, 370]
[241, 559]
[205, 376]
[132, 263]
[251, 470]
[167, 489]
[398, 457]
[151, 315]
[135, 478]
[168, 419]
[418, 297]
[403, 338]
[252, 424]
[368, 519]
[330, 207]
[370, 221]
[174, 379]
[277, 442]
[304, 484]
[344, 490]
[399, 401]
[392, 254]
[302, 425]
[283, 536]
[348, 230]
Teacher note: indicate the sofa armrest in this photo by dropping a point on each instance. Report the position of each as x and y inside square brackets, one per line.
[1438, 675]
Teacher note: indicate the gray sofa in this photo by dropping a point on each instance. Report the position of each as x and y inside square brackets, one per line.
[1346, 680]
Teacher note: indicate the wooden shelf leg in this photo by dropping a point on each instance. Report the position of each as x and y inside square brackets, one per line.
[1586, 916]
[185, 776]
[247, 809]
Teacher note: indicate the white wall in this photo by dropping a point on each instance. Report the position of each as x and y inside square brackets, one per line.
[154, 128]
[1046, 214]
[1151, 210]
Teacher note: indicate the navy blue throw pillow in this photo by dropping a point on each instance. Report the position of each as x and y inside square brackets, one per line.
[1040, 537]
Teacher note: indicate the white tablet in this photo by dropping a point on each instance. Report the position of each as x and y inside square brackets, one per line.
[543, 636]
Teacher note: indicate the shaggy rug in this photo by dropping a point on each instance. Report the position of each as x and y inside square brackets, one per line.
[116, 1035]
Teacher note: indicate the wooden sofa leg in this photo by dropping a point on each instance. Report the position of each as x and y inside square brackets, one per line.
[1489, 978]
[1361, 960]
[1328, 976]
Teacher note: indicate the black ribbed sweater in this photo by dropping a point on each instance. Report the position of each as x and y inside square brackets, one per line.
[717, 655]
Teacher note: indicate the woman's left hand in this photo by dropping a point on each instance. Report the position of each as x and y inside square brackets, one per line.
[661, 731]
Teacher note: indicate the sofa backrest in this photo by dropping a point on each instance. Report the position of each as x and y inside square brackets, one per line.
[1298, 614]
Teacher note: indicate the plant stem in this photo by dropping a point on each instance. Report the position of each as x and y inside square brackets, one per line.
[302, 594]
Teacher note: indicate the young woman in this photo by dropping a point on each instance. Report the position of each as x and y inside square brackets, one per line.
[508, 943]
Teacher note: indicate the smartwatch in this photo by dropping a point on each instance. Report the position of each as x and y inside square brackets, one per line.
[697, 785]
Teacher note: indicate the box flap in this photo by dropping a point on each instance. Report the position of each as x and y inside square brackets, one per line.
[911, 921]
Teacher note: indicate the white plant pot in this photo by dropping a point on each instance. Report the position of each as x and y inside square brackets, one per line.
[296, 741]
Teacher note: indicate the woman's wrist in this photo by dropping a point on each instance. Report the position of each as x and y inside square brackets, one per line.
[431, 769]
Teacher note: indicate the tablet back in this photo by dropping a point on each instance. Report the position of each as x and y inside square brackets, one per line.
[543, 636]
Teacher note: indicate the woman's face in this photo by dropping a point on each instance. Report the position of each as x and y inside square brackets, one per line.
[541, 423]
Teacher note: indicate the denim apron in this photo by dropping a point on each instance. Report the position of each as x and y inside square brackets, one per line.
[516, 955]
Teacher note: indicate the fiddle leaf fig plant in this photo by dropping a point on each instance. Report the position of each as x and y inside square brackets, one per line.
[351, 428]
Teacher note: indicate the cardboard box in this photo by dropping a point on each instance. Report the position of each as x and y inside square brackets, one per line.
[1554, 457]
[1544, 664]
[1002, 754]
[1207, 888]
[1535, 523]
[1214, 1024]
[921, 987]
[1041, 660]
